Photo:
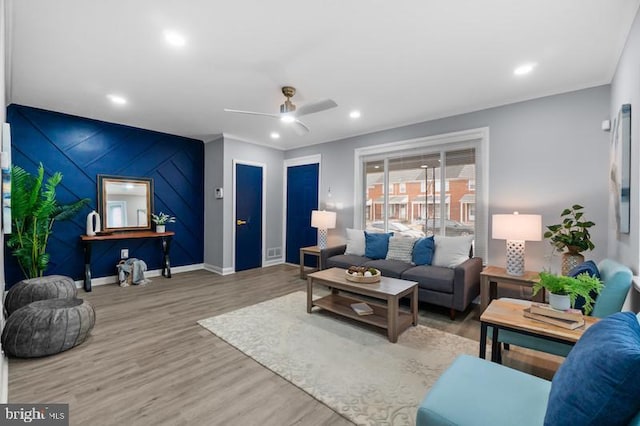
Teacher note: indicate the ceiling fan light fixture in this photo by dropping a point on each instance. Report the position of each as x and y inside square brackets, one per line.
[287, 118]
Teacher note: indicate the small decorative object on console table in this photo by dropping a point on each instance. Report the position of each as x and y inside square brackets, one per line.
[161, 220]
[516, 229]
[93, 223]
[560, 285]
[323, 220]
[572, 234]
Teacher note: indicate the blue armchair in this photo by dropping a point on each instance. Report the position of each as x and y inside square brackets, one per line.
[598, 384]
[617, 282]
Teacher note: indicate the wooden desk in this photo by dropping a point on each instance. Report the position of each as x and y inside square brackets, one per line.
[311, 251]
[88, 241]
[491, 275]
[506, 315]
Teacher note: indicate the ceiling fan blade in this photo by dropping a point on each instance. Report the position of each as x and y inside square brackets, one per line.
[300, 128]
[314, 107]
[252, 113]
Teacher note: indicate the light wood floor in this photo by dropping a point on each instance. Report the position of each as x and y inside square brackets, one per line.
[147, 362]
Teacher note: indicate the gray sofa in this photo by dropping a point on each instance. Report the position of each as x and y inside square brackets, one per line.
[453, 288]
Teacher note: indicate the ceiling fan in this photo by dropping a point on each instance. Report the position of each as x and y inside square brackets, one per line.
[289, 113]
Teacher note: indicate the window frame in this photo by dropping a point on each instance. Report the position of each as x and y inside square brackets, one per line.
[474, 138]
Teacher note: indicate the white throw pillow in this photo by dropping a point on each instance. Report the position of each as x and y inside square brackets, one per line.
[401, 248]
[355, 242]
[451, 251]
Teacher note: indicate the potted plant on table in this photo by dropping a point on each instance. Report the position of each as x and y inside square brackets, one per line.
[564, 290]
[573, 235]
[161, 219]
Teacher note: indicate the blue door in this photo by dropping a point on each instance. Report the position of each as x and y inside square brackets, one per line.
[248, 199]
[302, 198]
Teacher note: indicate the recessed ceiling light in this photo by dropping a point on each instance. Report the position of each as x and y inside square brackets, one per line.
[174, 38]
[376, 167]
[275, 135]
[354, 114]
[288, 118]
[117, 99]
[525, 68]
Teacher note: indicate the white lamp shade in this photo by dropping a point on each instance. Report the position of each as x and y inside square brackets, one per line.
[323, 219]
[521, 227]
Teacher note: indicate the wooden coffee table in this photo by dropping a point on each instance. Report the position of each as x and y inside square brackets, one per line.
[507, 315]
[388, 316]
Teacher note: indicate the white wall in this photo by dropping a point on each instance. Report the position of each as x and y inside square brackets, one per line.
[545, 154]
[213, 208]
[4, 376]
[625, 88]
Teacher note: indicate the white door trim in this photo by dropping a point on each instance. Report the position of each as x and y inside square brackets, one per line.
[292, 162]
[263, 166]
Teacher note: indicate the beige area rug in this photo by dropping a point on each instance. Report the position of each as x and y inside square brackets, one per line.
[350, 367]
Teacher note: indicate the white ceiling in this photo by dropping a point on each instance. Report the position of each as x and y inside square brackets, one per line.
[398, 62]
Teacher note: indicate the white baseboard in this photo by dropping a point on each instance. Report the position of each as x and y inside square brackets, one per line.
[113, 279]
[218, 270]
[272, 262]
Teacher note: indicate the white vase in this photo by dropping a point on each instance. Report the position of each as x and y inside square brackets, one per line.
[93, 223]
[159, 228]
[560, 302]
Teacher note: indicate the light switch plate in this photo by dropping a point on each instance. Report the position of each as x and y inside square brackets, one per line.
[124, 253]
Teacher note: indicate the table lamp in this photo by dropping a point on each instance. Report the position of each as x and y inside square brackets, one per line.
[516, 229]
[323, 220]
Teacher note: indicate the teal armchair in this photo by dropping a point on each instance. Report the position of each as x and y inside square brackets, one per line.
[617, 280]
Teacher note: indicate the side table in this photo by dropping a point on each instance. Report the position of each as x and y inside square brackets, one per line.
[311, 251]
[492, 275]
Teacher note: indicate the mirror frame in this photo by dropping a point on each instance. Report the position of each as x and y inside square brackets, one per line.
[102, 200]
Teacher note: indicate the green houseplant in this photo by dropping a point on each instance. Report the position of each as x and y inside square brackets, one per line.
[583, 285]
[161, 219]
[34, 210]
[571, 235]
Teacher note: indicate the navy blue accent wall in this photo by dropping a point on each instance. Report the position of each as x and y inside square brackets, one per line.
[81, 149]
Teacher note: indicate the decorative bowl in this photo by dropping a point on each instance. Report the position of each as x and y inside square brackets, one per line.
[353, 277]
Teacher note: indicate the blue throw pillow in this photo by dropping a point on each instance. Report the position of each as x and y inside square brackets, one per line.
[599, 382]
[590, 268]
[423, 251]
[376, 245]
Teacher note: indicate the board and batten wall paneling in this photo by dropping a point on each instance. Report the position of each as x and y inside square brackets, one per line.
[81, 149]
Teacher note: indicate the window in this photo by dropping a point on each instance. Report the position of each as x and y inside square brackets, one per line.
[436, 189]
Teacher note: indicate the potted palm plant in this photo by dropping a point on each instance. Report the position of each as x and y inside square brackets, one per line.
[161, 219]
[571, 235]
[34, 210]
[564, 290]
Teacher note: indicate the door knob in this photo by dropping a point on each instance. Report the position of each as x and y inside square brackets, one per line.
[241, 222]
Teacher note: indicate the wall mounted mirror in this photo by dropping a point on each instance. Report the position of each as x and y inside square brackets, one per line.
[125, 203]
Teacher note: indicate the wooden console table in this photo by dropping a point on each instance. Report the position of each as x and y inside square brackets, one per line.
[88, 241]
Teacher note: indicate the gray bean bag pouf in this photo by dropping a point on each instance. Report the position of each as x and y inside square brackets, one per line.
[41, 288]
[47, 327]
